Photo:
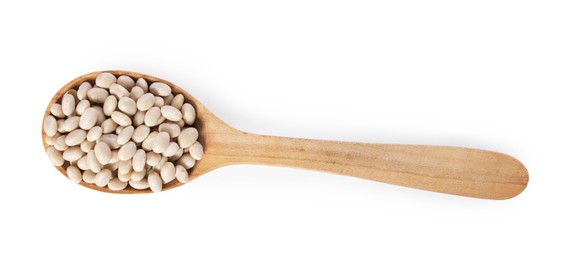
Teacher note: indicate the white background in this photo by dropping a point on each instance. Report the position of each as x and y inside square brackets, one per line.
[493, 75]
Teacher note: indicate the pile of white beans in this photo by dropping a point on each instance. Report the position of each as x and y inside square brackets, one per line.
[123, 132]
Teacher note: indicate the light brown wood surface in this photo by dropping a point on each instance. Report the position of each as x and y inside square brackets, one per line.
[453, 170]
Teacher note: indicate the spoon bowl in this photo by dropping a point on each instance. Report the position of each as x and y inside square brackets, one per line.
[452, 170]
[205, 123]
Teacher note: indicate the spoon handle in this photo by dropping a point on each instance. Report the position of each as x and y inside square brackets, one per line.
[452, 170]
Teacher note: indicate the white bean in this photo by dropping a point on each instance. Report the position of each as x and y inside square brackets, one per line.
[56, 110]
[139, 160]
[152, 116]
[74, 174]
[102, 153]
[82, 106]
[50, 126]
[189, 113]
[161, 142]
[104, 80]
[127, 106]
[120, 118]
[116, 184]
[108, 126]
[178, 101]
[109, 105]
[155, 182]
[124, 167]
[103, 177]
[125, 135]
[60, 143]
[168, 172]
[160, 89]
[88, 176]
[186, 161]
[82, 163]
[196, 151]
[139, 185]
[140, 133]
[136, 93]
[86, 145]
[94, 133]
[75, 137]
[68, 104]
[145, 102]
[70, 124]
[72, 154]
[142, 84]
[187, 137]
[181, 174]
[127, 151]
[88, 118]
[118, 91]
[82, 90]
[139, 118]
[55, 156]
[171, 113]
[97, 95]
[126, 81]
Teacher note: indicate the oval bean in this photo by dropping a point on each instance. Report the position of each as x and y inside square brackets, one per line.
[88, 118]
[55, 156]
[103, 177]
[82, 90]
[181, 174]
[68, 104]
[105, 79]
[109, 105]
[171, 113]
[102, 153]
[127, 106]
[139, 160]
[75, 137]
[127, 151]
[160, 89]
[125, 135]
[155, 182]
[50, 126]
[74, 174]
[187, 137]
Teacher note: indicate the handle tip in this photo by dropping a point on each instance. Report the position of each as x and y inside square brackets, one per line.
[515, 179]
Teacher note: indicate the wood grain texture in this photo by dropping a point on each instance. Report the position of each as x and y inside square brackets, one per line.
[453, 170]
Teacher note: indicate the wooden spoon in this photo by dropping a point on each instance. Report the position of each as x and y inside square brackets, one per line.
[452, 170]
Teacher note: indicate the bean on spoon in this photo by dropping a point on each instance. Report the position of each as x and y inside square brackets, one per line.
[452, 170]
